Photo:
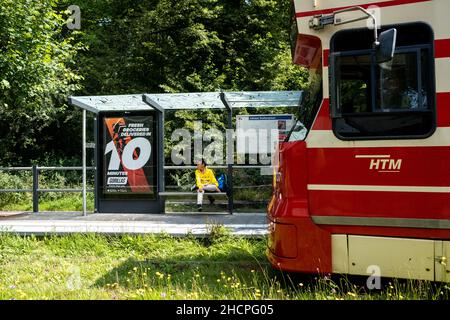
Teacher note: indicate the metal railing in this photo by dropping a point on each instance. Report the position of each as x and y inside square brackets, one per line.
[35, 190]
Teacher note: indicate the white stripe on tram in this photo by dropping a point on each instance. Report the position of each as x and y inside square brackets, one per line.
[368, 156]
[327, 139]
[336, 187]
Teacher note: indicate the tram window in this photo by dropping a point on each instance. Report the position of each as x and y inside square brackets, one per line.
[399, 84]
[355, 83]
[390, 100]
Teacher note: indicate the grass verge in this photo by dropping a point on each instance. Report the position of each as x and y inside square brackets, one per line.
[92, 266]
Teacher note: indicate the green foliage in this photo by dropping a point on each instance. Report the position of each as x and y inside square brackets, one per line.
[21, 180]
[130, 46]
[217, 233]
[182, 179]
[36, 76]
[186, 46]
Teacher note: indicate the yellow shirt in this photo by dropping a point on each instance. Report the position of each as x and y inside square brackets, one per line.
[207, 177]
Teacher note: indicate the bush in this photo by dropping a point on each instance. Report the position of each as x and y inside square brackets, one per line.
[20, 180]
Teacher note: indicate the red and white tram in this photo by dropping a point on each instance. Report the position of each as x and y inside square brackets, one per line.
[369, 183]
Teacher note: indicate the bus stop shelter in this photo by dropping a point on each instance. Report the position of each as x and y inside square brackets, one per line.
[129, 142]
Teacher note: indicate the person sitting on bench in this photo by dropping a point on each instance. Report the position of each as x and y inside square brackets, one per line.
[205, 181]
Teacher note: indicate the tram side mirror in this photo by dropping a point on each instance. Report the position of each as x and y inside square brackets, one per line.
[386, 47]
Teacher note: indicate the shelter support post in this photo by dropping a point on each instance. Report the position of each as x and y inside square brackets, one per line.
[35, 188]
[230, 151]
[96, 164]
[160, 159]
[84, 162]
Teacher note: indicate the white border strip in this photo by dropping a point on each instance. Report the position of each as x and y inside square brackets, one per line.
[327, 139]
[442, 73]
[368, 156]
[337, 187]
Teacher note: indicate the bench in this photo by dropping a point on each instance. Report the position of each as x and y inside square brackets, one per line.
[189, 193]
[194, 193]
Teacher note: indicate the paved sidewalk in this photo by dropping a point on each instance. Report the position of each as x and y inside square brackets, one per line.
[242, 224]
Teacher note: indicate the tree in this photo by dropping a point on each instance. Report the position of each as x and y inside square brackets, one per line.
[186, 46]
[130, 46]
[36, 76]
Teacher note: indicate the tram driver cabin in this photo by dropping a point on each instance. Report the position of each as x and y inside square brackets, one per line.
[368, 188]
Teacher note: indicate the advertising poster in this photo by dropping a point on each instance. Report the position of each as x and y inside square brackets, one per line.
[128, 160]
